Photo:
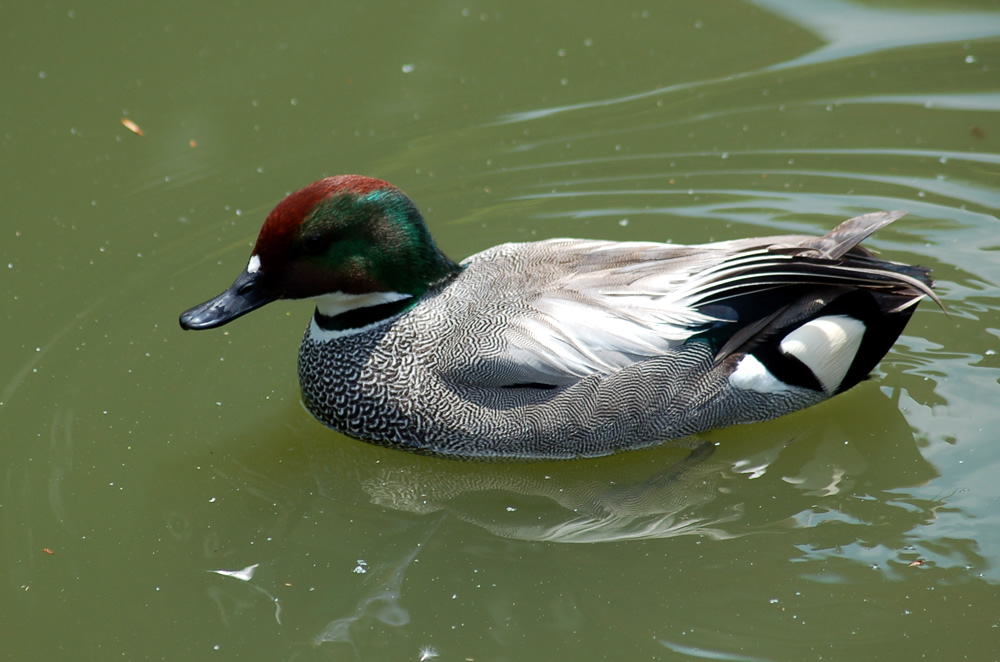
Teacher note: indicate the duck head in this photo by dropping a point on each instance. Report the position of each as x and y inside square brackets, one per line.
[348, 242]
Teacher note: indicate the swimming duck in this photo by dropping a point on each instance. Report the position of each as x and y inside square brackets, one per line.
[564, 347]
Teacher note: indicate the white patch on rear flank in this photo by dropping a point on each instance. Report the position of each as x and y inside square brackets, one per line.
[827, 346]
[253, 266]
[751, 375]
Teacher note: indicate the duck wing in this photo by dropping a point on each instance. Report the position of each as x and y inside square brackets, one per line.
[579, 308]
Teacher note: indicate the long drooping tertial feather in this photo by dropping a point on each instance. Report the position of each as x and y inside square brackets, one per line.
[609, 305]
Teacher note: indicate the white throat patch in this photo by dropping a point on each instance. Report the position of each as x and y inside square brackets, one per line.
[335, 303]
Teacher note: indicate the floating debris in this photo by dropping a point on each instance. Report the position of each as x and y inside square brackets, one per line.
[245, 574]
[131, 126]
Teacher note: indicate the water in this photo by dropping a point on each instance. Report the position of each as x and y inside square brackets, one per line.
[139, 461]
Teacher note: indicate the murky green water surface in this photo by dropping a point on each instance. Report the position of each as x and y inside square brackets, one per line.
[165, 496]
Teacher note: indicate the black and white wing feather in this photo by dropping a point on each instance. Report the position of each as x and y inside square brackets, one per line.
[579, 307]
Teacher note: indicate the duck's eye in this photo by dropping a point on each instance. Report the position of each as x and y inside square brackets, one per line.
[314, 245]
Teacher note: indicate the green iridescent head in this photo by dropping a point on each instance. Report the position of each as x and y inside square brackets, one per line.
[345, 239]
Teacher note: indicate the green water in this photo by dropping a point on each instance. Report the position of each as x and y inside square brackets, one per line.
[138, 460]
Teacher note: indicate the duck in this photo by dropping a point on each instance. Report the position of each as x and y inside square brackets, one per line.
[561, 348]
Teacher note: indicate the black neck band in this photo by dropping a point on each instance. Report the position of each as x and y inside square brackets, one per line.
[359, 317]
